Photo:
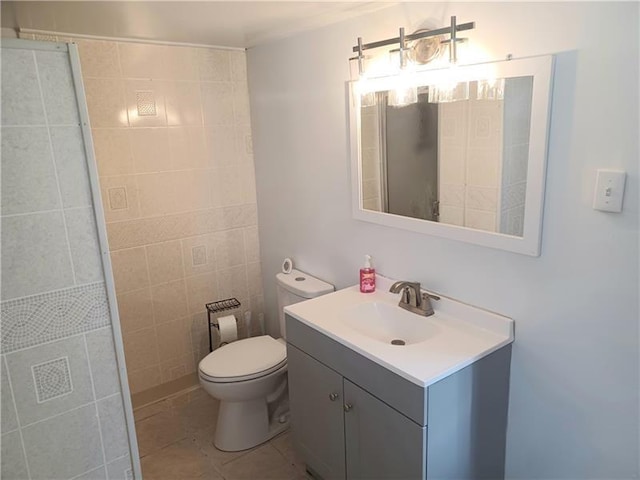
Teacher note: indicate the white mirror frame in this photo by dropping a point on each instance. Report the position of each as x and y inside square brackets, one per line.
[541, 68]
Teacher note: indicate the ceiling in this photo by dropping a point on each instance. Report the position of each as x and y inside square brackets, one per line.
[230, 24]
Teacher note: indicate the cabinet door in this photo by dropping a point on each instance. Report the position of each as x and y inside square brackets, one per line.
[381, 443]
[315, 396]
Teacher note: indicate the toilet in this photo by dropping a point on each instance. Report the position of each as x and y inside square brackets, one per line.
[249, 376]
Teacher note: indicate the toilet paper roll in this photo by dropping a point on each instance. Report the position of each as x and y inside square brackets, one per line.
[228, 329]
[287, 265]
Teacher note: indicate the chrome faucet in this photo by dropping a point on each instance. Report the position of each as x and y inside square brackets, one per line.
[413, 299]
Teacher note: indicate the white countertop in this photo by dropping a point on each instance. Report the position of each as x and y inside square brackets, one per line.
[465, 333]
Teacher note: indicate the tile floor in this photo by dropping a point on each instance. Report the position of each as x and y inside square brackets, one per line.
[175, 437]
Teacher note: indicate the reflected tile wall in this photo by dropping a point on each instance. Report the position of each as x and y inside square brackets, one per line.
[60, 383]
[178, 188]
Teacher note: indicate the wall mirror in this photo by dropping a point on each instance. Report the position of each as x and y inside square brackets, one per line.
[455, 152]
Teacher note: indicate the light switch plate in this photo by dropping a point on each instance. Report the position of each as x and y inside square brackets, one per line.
[609, 190]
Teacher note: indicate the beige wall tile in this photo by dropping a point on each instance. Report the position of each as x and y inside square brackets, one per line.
[239, 216]
[214, 65]
[120, 198]
[247, 175]
[201, 289]
[187, 148]
[191, 190]
[174, 368]
[150, 148]
[174, 339]
[99, 58]
[226, 187]
[180, 63]
[141, 380]
[199, 255]
[140, 60]
[232, 282]
[165, 262]
[254, 279]
[252, 244]
[241, 103]
[112, 147]
[217, 103]
[130, 269]
[200, 336]
[221, 146]
[141, 349]
[135, 310]
[229, 248]
[145, 103]
[183, 103]
[238, 62]
[156, 194]
[169, 301]
[106, 102]
[244, 143]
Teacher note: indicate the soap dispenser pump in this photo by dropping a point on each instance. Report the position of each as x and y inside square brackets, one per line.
[367, 276]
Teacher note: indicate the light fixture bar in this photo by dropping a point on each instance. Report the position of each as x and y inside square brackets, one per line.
[415, 36]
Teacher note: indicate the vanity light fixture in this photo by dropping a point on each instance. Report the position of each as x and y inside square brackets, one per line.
[418, 48]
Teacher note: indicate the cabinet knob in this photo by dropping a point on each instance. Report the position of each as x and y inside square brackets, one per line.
[347, 407]
[333, 396]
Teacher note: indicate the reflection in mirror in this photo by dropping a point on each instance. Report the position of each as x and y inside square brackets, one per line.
[457, 156]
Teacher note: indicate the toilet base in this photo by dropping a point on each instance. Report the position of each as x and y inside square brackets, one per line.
[244, 425]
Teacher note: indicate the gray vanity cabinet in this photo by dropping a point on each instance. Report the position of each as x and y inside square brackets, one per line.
[356, 420]
[380, 442]
[345, 432]
[315, 395]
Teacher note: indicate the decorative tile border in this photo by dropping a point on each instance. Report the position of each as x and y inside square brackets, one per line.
[30, 321]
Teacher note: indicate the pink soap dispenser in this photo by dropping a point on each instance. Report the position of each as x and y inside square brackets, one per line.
[367, 276]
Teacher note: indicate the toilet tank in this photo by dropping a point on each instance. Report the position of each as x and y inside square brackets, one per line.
[296, 287]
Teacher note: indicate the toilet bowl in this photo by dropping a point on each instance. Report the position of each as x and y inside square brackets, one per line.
[249, 376]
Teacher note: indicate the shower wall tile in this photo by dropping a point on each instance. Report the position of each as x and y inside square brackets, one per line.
[99, 473]
[50, 379]
[83, 242]
[113, 151]
[21, 98]
[169, 301]
[34, 320]
[113, 427]
[155, 97]
[120, 198]
[99, 58]
[35, 255]
[214, 65]
[183, 103]
[102, 360]
[71, 166]
[217, 103]
[135, 310]
[64, 446]
[8, 418]
[130, 269]
[178, 186]
[14, 464]
[120, 469]
[28, 174]
[58, 92]
[106, 102]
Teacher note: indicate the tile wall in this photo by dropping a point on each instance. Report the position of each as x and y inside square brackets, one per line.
[470, 159]
[62, 409]
[172, 138]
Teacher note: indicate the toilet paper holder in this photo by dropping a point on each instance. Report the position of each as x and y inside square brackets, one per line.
[216, 307]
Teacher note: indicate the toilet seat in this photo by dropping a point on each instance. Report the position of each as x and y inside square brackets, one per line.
[244, 360]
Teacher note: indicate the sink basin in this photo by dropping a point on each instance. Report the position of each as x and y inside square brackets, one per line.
[390, 324]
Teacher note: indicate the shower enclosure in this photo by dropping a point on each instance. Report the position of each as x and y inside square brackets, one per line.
[66, 409]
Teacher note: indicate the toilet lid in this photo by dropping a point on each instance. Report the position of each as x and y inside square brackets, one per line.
[244, 357]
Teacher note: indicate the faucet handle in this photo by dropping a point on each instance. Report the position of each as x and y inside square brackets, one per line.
[426, 295]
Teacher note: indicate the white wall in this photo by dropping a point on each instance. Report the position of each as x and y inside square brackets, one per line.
[574, 389]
